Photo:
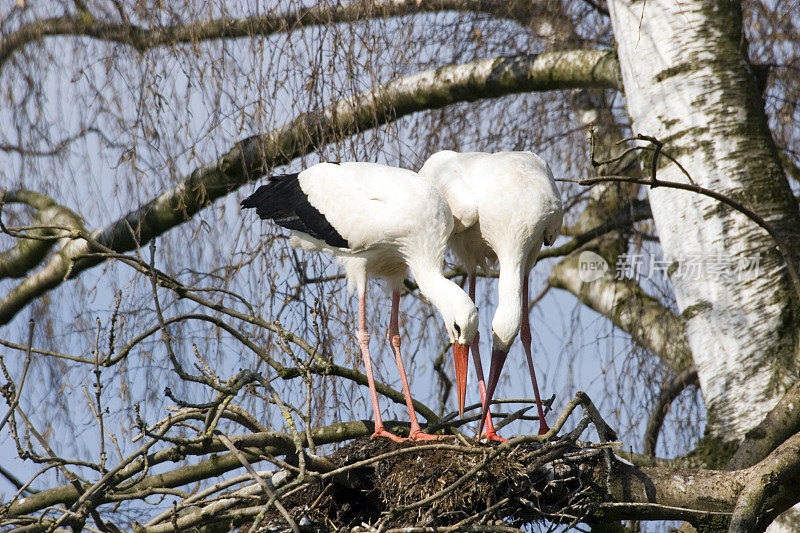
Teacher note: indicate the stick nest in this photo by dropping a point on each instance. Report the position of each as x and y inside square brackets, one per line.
[526, 482]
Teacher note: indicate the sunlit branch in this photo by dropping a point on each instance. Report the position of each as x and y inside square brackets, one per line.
[33, 245]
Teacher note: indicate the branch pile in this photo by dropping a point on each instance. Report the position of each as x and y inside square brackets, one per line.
[440, 485]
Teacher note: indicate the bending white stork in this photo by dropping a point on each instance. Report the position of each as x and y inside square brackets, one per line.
[377, 221]
[506, 205]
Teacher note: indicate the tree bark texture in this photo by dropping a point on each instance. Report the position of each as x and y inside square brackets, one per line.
[688, 82]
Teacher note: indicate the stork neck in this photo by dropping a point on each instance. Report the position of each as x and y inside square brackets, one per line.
[508, 316]
[434, 286]
[457, 309]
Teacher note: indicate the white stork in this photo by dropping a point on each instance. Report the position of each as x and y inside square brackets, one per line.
[506, 205]
[377, 221]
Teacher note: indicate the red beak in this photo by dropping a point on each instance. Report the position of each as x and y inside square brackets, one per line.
[460, 356]
[498, 360]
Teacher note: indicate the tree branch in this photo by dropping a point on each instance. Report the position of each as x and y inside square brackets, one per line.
[780, 241]
[781, 422]
[772, 487]
[34, 244]
[532, 477]
[669, 392]
[656, 146]
[83, 23]
[253, 157]
[272, 443]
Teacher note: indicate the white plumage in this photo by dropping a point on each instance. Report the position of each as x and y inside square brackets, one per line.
[378, 221]
[505, 206]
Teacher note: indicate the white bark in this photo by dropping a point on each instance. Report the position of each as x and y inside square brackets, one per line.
[687, 82]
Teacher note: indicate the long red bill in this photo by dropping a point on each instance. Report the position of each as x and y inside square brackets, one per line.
[498, 360]
[460, 356]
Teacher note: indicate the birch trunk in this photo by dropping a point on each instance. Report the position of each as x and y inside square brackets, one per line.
[689, 83]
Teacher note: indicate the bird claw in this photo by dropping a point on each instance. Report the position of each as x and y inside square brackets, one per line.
[491, 435]
[383, 433]
[419, 435]
[543, 428]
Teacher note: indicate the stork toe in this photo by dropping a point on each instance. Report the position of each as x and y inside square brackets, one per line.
[384, 433]
[419, 435]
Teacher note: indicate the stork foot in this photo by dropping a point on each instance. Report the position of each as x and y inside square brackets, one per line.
[543, 428]
[419, 435]
[381, 432]
[491, 435]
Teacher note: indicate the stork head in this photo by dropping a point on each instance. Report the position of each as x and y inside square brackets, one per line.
[461, 320]
[465, 321]
[458, 312]
[505, 326]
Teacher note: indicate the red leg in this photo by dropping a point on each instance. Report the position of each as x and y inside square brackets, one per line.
[525, 337]
[393, 336]
[363, 343]
[476, 357]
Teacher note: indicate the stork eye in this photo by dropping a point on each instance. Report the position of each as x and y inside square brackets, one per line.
[458, 329]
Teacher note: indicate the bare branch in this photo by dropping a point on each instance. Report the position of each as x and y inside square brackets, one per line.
[54, 150]
[782, 245]
[271, 442]
[656, 146]
[669, 392]
[140, 38]
[557, 478]
[260, 480]
[321, 366]
[17, 388]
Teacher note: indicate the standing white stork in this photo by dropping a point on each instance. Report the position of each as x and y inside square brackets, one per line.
[377, 221]
[506, 205]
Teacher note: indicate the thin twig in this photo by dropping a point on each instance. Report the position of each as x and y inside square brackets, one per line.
[260, 480]
[13, 404]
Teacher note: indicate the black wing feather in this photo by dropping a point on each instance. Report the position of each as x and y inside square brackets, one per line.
[283, 201]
